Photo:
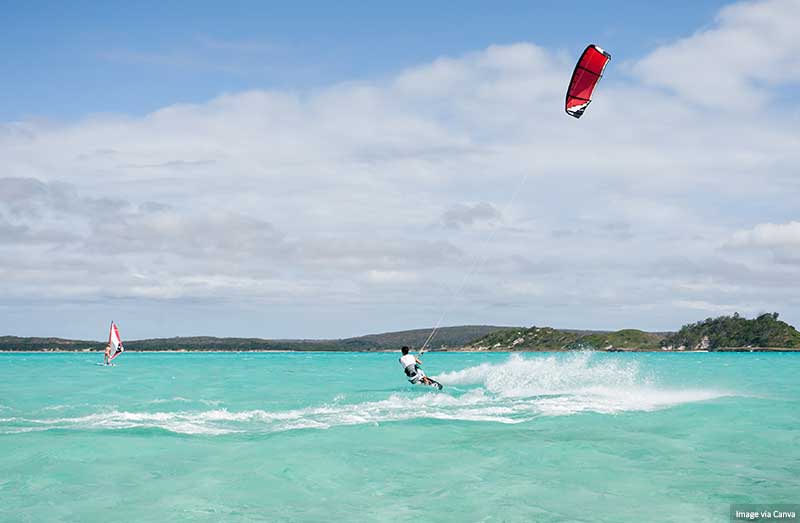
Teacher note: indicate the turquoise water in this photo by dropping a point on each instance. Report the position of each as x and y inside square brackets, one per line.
[343, 437]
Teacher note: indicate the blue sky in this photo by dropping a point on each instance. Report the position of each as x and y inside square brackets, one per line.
[66, 60]
[334, 169]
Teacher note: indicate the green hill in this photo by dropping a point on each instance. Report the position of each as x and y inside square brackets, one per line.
[549, 339]
[735, 331]
[445, 337]
[624, 339]
[534, 338]
[725, 332]
[15, 343]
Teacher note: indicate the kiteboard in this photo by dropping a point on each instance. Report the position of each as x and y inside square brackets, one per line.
[435, 384]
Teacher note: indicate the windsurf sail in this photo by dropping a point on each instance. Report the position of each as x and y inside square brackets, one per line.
[115, 341]
[587, 73]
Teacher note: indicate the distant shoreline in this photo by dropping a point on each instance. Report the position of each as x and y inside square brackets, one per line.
[766, 333]
[381, 351]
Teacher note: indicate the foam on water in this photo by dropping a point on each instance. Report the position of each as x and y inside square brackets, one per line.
[553, 385]
[179, 399]
[516, 390]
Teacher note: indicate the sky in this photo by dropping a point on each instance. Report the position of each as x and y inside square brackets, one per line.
[323, 171]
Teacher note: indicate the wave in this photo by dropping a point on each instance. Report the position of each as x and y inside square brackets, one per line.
[520, 376]
[180, 399]
[221, 421]
[558, 385]
[514, 391]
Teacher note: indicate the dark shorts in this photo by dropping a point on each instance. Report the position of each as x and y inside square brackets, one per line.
[414, 373]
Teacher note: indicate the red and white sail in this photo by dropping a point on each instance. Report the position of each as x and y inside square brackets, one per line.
[115, 341]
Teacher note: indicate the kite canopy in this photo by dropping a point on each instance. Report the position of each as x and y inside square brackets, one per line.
[588, 72]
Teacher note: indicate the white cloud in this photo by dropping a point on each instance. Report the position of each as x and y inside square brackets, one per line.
[461, 215]
[391, 277]
[713, 308]
[768, 235]
[733, 65]
[384, 194]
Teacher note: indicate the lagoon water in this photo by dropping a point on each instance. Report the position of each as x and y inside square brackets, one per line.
[343, 437]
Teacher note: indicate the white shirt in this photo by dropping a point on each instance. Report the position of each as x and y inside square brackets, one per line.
[407, 360]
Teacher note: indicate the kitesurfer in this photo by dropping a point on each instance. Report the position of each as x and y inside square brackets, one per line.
[411, 366]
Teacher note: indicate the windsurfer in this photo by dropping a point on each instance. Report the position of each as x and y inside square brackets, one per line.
[107, 355]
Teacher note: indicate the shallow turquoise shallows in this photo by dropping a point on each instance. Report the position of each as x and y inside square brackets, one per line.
[584, 437]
